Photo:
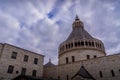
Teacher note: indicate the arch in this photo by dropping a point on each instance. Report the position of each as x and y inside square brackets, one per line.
[89, 43]
[71, 45]
[82, 43]
[86, 43]
[88, 56]
[78, 43]
[75, 44]
[93, 44]
[101, 75]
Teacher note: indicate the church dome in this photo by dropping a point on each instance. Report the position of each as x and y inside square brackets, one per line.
[79, 38]
[49, 64]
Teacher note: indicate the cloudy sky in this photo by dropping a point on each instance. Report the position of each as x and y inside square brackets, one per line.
[41, 25]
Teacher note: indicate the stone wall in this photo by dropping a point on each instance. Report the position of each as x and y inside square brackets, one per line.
[93, 66]
[19, 62]
[80, 55]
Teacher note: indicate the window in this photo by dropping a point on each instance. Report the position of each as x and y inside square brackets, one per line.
[95, 56]
[86, 43]
[113, 74]
[82, 43]
[78, 43]
[71, 45]
[75, 44]
[66, 59]
[14, 55]
[67, 77]
[101, 75]
[35, 60]
[34, 73]
[10, 69]
[58, 77]
[88, 56]
[66, 46]
[89, 43]
[93, 44]
[73, 59]
[25, 58]
[23, 71]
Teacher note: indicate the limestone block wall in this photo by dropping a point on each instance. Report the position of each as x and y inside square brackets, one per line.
[109, 66]
[79, 55]
[51, 72]
[19, 62]
[1, 46]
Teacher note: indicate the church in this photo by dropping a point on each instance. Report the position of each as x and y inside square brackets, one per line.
[83, 57]
[80, 57]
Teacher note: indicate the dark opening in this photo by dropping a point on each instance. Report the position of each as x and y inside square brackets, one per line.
[113, 74]
[25, 58]
[10, 69]
[58, 77]
[34, 73]
[82, 43]
[95, 56]
[66, 59]
[67, 77]
[101, 75]
[73, 59]
[23, 71]
[14, 55]
[88, 56]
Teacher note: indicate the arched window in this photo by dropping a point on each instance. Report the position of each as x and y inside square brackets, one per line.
[75, 44]
[89, 43]
[93, 44]
[67, 60]
[96, 44]
[94, 56]
[100, 46]
[66, 46]
[58, 77]
[88, 56]
[86, 43]
[67, 77]
[82, 43]
[113, 74]
[78, 43]
[73, 59]
[71, 45]
[101, 75]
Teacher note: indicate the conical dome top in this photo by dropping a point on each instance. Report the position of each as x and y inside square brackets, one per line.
[78, 31]
[49, 64]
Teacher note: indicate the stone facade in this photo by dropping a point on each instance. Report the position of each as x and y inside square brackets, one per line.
[94, 66]
[81, 49]
[15, 57]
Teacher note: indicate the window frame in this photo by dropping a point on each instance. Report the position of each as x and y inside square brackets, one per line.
[10, 69]
[25, 58]
[23, 71]
[34, 72]
[14, 55]
[35, 60]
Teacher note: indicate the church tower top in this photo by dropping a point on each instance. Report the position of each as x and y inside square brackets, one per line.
[80, 39]
[77, 23]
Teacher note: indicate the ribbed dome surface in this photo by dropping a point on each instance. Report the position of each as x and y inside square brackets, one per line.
[79, 33]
